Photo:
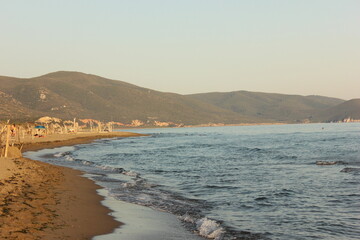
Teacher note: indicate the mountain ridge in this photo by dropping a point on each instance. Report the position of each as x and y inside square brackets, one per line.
[274, 106]
[66, 95]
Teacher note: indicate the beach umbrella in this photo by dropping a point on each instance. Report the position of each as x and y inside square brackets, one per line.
[39, 127]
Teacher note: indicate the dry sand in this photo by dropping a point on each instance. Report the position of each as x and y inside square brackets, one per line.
[42, 201]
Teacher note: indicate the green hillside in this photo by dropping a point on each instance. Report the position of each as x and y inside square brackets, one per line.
[269, 106]
[72, 94]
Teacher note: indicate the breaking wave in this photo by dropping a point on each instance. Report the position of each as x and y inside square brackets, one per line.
[236, 182]
[135, 189]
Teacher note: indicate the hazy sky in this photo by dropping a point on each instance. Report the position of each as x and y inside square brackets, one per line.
[189, 46]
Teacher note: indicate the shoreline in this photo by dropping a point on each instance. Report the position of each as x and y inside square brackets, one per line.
[60, 140]
[229, 125]
[44, 201]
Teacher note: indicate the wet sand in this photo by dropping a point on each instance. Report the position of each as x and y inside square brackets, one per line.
[144, 223]
[42, 201]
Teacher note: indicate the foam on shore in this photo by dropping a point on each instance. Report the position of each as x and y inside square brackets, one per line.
[141, 223]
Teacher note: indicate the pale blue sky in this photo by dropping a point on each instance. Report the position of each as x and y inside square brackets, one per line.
[297, 47]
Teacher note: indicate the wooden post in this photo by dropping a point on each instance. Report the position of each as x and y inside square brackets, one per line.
[23, 131]
[74, 125]
[7, 140]
[18, 134]
[1, 130]
[32, 133]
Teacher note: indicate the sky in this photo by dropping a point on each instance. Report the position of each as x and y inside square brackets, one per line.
[307, 47]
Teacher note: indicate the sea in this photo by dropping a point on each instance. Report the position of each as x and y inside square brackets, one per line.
[297, 181]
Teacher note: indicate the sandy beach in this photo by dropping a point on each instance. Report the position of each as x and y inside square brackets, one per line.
[42, 201]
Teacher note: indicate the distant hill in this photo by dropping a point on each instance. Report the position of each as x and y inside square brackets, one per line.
[73, 94]
[349, 109]
[269, 106]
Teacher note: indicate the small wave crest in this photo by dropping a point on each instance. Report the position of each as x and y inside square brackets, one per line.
[205, 227]
[67, 156]
[60, 154]
[350, 170]
[139, 183]
[210, 229]
[135, 189]
[131, 174]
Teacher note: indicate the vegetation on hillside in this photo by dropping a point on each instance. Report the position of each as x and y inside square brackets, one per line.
[72, 94]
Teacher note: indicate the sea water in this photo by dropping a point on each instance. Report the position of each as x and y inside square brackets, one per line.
[238, 182]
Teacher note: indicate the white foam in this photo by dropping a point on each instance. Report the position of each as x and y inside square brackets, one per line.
[137, 183]
[69, 158]
[143, 223]
[187, 218]
[209, 228]
[58, 154]
[106, 167]
[144, 198]
[88, 163]
[131, 174]
[128, 185]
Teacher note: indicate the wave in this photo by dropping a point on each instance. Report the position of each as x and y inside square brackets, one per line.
[135, 189]
[351, 170]
[205, 227]
[67, 156]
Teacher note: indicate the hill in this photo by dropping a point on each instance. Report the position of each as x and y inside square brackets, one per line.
[346, 110]
[269, 106]
[73, 94]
